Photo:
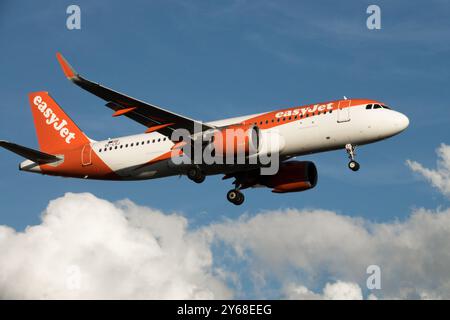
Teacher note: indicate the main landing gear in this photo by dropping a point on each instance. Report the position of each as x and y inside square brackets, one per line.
[353, 165]
[195, 174]
[235, 197]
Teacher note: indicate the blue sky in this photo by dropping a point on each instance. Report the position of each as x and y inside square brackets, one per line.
[216, 59]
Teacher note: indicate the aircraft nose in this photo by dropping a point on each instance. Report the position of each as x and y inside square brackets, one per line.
[401, 121]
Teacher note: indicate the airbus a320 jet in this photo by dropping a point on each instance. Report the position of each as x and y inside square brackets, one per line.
[65, 150]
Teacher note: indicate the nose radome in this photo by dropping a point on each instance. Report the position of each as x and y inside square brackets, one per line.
[402, 121]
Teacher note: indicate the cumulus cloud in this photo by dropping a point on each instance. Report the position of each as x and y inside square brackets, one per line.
[413, 255]
[333, 291]
[86, 247]
[439, 177]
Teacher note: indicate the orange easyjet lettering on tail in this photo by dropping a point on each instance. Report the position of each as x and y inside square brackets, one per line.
[52, 119]
[55, 130]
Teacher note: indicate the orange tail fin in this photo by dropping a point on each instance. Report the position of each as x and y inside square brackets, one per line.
[55, 130]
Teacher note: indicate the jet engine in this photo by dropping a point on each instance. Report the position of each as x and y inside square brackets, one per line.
[236, 140]
[292, 176]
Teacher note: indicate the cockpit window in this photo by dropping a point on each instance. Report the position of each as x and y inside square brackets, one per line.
[377, 106]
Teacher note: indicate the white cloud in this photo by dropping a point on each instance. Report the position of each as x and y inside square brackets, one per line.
[342, 291]
[309, 245]
[86, 247]
[122, 250]
[338, 290]
[440, 177]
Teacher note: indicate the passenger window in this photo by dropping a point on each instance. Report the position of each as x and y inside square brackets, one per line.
[110, 148]
[126, 146]
[100, 150]
[153, 141]
[267, 121]
[159, 139]
[131, 144]
[105, 149]
[164, 139]
[121, 146]
[115, 147]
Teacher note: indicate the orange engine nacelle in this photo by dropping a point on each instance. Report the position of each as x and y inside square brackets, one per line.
[236, 140]
[293, 176]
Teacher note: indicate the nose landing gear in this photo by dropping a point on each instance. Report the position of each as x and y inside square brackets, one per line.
[353, 165]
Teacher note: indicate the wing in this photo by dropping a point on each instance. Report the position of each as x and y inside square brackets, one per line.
[152, 117]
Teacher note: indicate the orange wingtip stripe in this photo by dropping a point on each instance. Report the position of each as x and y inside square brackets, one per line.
[67, 69]
[155, 128]
[123, 111]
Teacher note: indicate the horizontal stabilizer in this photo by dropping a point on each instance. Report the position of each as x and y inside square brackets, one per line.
[31, 154]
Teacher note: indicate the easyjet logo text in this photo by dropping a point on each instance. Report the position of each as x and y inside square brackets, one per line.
[306, 110]
[53, 121]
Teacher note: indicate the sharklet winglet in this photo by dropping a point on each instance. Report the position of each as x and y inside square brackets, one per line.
[68, 70]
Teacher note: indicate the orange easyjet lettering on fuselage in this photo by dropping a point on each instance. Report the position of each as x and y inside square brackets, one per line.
[53, 120]
[304, 110]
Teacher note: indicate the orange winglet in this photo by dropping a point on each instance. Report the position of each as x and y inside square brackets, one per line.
[66, 67]
[122, 111]
[155, 128]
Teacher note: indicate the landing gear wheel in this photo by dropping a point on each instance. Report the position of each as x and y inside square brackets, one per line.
[235, 197]
[353, 165]
[196, 175]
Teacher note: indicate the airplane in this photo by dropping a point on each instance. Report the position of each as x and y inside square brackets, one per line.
[65, 150]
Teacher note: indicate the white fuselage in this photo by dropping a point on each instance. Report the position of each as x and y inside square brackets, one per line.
[327, 131]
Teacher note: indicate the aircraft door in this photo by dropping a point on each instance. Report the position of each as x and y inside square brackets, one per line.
[86, 155]
[343, 112]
